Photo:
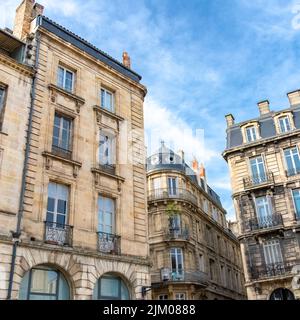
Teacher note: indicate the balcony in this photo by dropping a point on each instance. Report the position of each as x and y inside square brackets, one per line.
[108, 168]
[177, 234]
[61, 152]
[58, 234]
[259, 223]
[258, 180]
[109, 243]
[292, 172]
[181, 194]
[283, 268]
[181, 276]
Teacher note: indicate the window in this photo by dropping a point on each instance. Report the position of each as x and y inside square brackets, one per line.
[177, 263]
[258, 170]
[223, 275]
[43, 283]
[212, 269]
[110, 287]
[215, 214]
[172, 186]
[292, 160]
[229, 279]
[65, 79]
[284, 124]
[201, 263]
[296, 197]
[107, 100]
[107, 148]
[163, 297]
[251, 134]
[2, 102]
[205, 206]
[264, 211]
[106, 215]
[175, 225]
[156, 185]
[57, 207]
[272, 252]
[61, 140]
[180, 296]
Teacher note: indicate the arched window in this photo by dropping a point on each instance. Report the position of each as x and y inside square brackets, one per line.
[44, 283]
[111, 287]
[282, 294]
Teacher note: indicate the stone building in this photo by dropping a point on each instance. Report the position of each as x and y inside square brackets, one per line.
[194, 254]
[264, 162]
[73, 212]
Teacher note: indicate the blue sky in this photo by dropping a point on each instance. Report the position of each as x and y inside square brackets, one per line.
[200, 59]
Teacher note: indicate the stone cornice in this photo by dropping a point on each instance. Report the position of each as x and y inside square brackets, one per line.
[26, 70]
[112, 115]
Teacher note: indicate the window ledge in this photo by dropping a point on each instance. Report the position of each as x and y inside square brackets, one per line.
[98, 172]
[79, 101]
[50, 157]
[3, 133]
[100, 111]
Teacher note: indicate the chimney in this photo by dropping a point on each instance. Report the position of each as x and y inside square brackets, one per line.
[294, 97]
[202, 172]
[195, 166]
[264, 107]
[126, 60]
[181, 155]
[25, 13]
[230, 120]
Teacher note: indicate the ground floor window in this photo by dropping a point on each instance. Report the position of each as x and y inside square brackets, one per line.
[44, 283]
[180, 296]
[163, 297]
[282, 294]
[111, 287]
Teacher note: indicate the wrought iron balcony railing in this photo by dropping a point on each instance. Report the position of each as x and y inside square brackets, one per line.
[109, 243]
[61, 152]
[177, 234]
[178, 193]
[109, 168]
[258, 180]
[272, 270]
[193, 276]
[265, 222]
[59, 234]
[292, 172]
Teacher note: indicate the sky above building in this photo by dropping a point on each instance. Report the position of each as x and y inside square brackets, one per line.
[200, 59]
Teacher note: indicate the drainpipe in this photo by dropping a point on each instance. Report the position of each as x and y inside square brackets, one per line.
[16, 234]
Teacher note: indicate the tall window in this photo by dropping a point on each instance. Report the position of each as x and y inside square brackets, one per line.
[251, 134]
[272, 252]
[175, 223]
[292, 160]
[163, 297]
[212, 269]
[44, 283]
[61, 140]
[223, 275]
[111, 287]
[106, 215]
[201, 263]
[65, 79]
[177, 262]
[172, 186]
[57, 207]
[106, 149]
[264, 210]
[215, 214]
[296, 197]
[107, 100]
[2, 100]
[284, 124]
[258, 170]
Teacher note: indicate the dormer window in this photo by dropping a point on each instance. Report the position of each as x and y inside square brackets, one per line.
[284, 124]
[251, 134]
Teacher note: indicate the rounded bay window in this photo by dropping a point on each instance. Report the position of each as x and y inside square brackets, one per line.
[44, 283]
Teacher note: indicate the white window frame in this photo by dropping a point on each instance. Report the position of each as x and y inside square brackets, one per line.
[65, 70]
[261, 175]
[252, 132]
[107, 92]
[163, 297]
[297, 214]
[172, 186]
[272, 252]
[103, 212]
[62, 118]
[291, 154]
[284, 123]
[111, 147]
[177, 252]
[180, 296]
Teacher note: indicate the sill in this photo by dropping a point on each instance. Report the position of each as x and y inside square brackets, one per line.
[3, 133]
[110, 114]
[105, 173]
[79, 101]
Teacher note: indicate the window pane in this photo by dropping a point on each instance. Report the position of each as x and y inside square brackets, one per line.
[60, 77]
[109, 101]
[43, 281]
[69, 81]
[102, 98]
[109, 287]
[50, 204]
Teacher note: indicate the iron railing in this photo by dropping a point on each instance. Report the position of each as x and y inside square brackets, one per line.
[272, 270]
[58, 234]
[257, 180]
[193, 276]
[265, 222]
[109, 243]
[109, 168]
[177, 234]
[292, 171]
[178, 193]
[61, 152]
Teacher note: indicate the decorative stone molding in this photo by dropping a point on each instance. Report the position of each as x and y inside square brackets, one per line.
[97, 172]
[101, 111]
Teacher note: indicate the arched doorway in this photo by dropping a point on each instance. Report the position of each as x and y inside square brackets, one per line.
[111, 287]
[282, 294]
[44, 283]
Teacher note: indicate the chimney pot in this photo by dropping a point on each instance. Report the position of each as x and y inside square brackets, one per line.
[126, 60]
[264, 107]
[294, 97]
[202, 172]
[230, 120]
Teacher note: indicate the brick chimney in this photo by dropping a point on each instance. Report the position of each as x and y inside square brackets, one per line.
[202, 172]
[264, 107]
[230, 120]
[27, 11]
[294, 97]
[126, 60]
[195, 166]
